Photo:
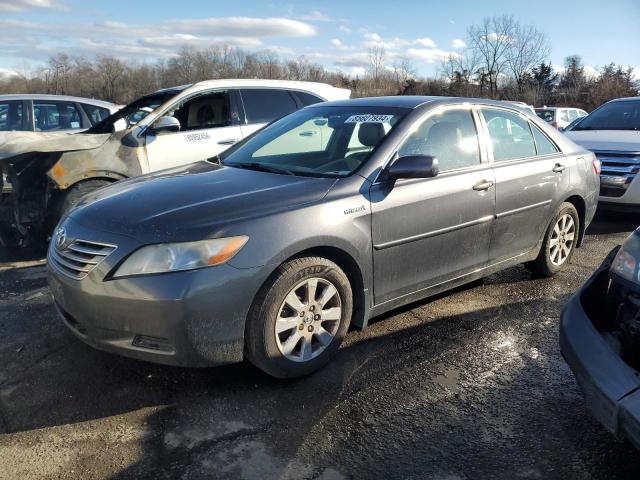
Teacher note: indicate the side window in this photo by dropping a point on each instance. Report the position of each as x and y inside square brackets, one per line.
[312, 136]
[450, 136]
[210, 110]
[265, 105]
[95, 114]
[510, 135]
[582, 113]
[544, 146]
[573, 114]
[10, 116]
[564, 115]
[307, 98]
[55, 116]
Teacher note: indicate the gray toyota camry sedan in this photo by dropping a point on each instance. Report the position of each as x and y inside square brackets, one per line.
[323, 219]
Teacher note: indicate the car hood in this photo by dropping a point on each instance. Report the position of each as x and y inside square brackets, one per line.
[614, 140]
[17, 143]
[193, 202]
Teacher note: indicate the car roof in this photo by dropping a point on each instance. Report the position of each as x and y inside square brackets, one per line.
[415, 101]
[625, 99]
[68, 98]
[322, 89]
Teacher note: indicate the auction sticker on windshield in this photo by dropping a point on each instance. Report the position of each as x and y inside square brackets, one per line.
[369, 118]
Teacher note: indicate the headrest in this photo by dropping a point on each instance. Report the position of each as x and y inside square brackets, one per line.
[370, 134]
[444, 133]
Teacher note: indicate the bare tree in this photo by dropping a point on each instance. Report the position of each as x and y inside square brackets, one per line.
[377, 57]
[492, 40]
[528, 48]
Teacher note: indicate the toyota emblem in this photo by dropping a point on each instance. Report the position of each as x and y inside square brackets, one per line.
[61, 237]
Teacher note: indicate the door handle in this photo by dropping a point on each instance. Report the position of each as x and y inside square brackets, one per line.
[228, 141]
[483, 185]
[558, 168]
[308, 133]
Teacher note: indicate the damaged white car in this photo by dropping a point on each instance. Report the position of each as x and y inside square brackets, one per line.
[45, 175]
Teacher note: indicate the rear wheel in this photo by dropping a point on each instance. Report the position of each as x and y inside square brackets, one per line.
[299, 318]
[559, 242]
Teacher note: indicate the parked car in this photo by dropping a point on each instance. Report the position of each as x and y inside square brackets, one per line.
[560, 117]
[600, 340]
[47, 113]
[612, 132]
[524, 105]
[171, 127]
[274, 248]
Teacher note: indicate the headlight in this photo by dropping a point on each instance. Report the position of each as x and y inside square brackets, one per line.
[625, 263]
[171, 257]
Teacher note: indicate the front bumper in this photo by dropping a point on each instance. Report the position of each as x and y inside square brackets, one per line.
[611, 388]
[192, 318]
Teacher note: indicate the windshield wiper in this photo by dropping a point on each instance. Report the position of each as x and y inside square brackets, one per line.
[261, 167]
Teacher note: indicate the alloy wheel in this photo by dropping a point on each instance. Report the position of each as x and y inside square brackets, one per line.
[562, 239]
[308, 319]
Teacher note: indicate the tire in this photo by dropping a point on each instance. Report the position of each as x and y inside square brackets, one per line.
[74, 194]
[559, 242]
[304, 343]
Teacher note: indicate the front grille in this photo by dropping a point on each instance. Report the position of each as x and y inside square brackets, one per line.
[80, 257]
[619, 169]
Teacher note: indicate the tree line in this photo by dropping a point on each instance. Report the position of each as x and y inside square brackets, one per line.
[503, 59]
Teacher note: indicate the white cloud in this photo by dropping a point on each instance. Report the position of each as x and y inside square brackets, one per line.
[19, 5]
[458, 43]
[344, 28]
[245, 27]
[337, 44]
[424, 42]
[5, 74]
[317, 16]
[429, 55]
[636, 74]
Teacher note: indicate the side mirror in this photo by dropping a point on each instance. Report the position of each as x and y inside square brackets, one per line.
[166, 124]
[413, 166]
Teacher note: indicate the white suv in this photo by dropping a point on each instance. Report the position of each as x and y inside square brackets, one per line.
[612, 132]
[560, 117]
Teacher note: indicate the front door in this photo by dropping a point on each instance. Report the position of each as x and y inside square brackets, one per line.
[208, 126]
[428, 231]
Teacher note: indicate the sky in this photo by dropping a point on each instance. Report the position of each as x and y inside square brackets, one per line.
[336, 34]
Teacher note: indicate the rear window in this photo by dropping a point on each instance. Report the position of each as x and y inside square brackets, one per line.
[95, 114]
[547, 115]
[265, 105]
[307, 98]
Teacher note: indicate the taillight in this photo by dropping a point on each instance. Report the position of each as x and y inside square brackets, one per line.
[554, 124]
[597, 165]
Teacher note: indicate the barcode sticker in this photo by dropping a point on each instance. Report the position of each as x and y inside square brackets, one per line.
[369, 118]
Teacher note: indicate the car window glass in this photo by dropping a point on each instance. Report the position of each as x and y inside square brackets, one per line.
[95, 113]
[573, 114]
[510, 135]
[10, 115]
[547, 115]
[265, 105]
[564, 115]
[311, 136]
[450, 136]
[49, 116]
[307, 98]
[544, 146]
[211, 110]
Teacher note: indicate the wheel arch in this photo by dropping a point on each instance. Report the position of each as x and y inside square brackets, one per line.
[349, 266]
[581, 206]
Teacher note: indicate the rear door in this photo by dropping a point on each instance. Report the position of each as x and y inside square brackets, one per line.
[428, 231]
[263, 105]
[530, 173]
[209, 124]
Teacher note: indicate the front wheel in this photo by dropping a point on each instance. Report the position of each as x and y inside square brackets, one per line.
[299, 318]
[559, 242]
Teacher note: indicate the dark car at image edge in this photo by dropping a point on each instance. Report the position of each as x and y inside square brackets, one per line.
[325, 218]
[600, 340]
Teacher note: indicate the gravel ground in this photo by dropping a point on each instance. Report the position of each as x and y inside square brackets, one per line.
[463, 386]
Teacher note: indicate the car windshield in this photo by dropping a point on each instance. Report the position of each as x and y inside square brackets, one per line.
[546, 115]
[622, 115]
[318, 141]
[134, 112]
